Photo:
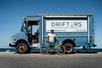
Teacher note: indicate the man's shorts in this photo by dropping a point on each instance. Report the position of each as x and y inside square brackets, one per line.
[51, 44]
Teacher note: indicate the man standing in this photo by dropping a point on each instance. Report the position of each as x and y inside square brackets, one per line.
[51, 39]
[51, 36]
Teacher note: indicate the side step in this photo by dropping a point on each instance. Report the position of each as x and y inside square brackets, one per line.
[37, 45]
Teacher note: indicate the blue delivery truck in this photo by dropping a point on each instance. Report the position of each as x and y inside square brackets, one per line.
[75, 30]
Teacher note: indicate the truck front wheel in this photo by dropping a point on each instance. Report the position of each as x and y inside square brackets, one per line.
[22, 48]
[68, 48]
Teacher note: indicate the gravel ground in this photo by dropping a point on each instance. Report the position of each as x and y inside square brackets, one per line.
[32, 60]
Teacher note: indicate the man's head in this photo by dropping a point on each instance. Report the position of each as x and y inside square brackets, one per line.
[52, 31]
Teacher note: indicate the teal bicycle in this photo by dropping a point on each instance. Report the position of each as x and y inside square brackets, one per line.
[51, 48]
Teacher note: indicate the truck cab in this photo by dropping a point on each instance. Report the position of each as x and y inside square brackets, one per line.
[28, 37]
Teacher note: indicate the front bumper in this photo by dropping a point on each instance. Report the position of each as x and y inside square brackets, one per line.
[10, 45]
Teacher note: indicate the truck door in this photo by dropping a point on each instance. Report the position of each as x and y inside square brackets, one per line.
[33, 32]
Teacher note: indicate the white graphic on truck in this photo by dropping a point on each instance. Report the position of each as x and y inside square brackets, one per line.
[66, 25]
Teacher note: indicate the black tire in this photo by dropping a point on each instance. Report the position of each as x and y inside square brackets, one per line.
[22, 48]
[69, 47]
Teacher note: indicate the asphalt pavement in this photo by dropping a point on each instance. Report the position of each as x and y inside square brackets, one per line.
[36, 60]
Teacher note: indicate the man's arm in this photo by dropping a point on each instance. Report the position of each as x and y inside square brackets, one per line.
[47, 37]
[55, 38]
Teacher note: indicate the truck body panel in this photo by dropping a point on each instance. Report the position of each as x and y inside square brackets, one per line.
[77, 28]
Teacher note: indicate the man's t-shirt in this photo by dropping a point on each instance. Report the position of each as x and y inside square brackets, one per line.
[51, 37]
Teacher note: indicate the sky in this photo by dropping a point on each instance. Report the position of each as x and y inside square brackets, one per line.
[12, 13]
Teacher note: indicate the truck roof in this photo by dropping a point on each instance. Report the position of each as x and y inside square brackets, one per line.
[36, 17]
[59, 15]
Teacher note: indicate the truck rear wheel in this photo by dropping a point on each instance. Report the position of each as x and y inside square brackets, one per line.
[22, 48]
[68, 48]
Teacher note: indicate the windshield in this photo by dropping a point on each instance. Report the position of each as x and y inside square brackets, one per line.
[24, 27]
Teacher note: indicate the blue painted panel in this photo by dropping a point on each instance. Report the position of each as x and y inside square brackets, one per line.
[81, 38]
